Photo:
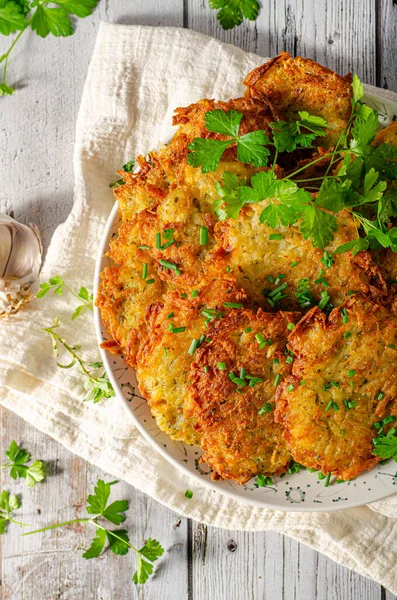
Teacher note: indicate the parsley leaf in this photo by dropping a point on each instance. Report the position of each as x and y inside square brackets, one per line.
[232, 12]
[97, 501]
[354, 246]
[251, 147]
[80, 8]
[382, 159]
[8, 504]
[385, 446]
[206, 153]
[11, 17]
[117, 545]
[97, 544]
[58, 286]
[152, 550]
[364, 129]
[17, 463]
[51, 20]
[357, 88]
[317, 225]
[288, 136]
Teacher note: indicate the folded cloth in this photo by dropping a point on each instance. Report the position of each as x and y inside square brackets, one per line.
[137, 76]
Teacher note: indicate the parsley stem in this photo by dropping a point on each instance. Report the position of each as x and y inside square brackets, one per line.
[88, 303]
[89, 519]
[313, 162]
[14, 521]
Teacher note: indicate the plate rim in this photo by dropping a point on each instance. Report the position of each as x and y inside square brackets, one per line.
[209, 484]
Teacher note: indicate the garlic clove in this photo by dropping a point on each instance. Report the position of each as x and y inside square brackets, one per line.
[21, 253]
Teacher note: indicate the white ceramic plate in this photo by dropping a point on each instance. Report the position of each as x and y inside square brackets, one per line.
[301, 491]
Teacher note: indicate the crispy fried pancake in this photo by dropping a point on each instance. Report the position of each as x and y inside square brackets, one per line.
[164, 360]
[340, 362]
[297, 84]
[245, 245]
[238, 441]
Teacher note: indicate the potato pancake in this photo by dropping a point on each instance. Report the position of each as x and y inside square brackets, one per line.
[231, 396]
[344, 380]
[262, 264]
[176, 326]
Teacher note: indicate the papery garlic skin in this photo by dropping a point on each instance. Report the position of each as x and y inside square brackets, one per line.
[21, 253]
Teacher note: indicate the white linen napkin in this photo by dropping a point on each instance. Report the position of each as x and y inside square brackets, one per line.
[137, 76]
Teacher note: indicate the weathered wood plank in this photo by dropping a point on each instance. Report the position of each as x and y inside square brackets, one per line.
[387, 34]
[339, 34]
[49, 565]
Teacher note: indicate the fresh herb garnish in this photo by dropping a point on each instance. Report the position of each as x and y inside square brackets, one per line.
[231, 12]
[21, 15]
[251, 147]
[8, 504]
[58, 286]
[17, 463]
[98, 387]
[117, 539]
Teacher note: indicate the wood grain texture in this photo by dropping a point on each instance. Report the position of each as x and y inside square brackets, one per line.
[387, 44]
[37, 185]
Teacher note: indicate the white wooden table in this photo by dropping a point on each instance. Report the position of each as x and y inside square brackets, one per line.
[37, 129]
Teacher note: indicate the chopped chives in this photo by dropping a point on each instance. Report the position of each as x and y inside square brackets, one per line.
[270, 279]
[329, 405]
[259, 338]
[233, 304]
[158, 241]
[170, 315]
[165, 351]
[203, 235]
[276, 361]
[248, 329]
[276, 236]
[381, 395]
[345, 317]
[144, 247]
[194, 293]
[221, 366]
[347, 334]
[289, 360]
[167, 244]
[324, 300]
[266, 408]
[149, 281]
[228, 269]
[321, 475]
[290, 388]
[189, 494]
[183, 295]
[144, 270]
[327, 480]
[278, 289]
[269, 342]
[242, 373]
[277, 379]
[169, 265]
[351, 372]
[193, 346]
[293, 264]
[392, 346]
[290, 326]
[177, 329]
[302, 382]
[342, 431]
[206, 369]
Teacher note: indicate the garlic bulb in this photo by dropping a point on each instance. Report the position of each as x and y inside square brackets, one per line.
[20, 263]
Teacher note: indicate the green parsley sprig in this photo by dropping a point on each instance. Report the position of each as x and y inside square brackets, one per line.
[251, 147]
[58, 286]
[8, 504]
[231, 12]
[385, 445]
[359, 179]
[17, 463]
[98, 387]
[39, 16]
[117, 539]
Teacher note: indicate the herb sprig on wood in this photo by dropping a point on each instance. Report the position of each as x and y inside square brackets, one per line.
[41, 17]
[18, 459]
[117, 539]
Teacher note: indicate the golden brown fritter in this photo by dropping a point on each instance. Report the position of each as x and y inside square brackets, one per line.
[300, 84]
[253, 257]
[238, 441]
[344, 379]
[163, 362]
